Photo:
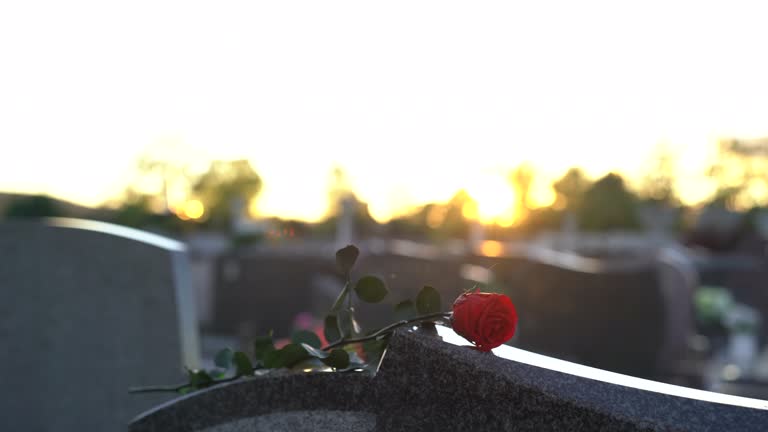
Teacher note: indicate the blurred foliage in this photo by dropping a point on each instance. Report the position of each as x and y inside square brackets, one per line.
[657, 184]
[135, 210]
[138, 211]
[543, 219]
[166, 167]
[608, 205]
[571, 188]
[33, 206]
[347, 342]
[739, 176]
[226, 190]
[711, 304]
[435, 221]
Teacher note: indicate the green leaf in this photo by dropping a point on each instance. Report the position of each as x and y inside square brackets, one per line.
[346, 257]
[262, 345]
[337, 359]
[371, 289]
[286, 356]
[223, 359]
[306, 337]
[186, 390]
[314, 352]
[428, 301]
[405, 310]
[199, 378]
[312, 363]
[272, 360]
[331, 330]
[242, 363]
[292, 354]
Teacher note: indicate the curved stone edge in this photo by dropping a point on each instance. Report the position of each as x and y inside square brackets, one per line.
[507, 394]
[282, 391]
[427, 384]
[115, 230]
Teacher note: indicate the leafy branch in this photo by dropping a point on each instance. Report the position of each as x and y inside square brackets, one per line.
[305, 350]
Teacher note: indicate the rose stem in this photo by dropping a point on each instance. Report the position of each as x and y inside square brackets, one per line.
[386, 329]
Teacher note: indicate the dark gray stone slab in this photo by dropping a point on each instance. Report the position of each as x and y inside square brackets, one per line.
[301, 421]
[260, 396]
[89, 309]
[427, 383]
[265, 291]
[631, 316]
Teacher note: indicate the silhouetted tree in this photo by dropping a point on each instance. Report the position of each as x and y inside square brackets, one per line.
[739, 174]
[608, 205]
[571, 188]
[227, 187]
[435, 221]
[135, 210]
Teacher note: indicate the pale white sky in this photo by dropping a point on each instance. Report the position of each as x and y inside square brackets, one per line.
[415, 99]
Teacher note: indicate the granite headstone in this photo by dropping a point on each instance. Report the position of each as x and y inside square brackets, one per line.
[259, 292]
[88, 310]
[427, 382]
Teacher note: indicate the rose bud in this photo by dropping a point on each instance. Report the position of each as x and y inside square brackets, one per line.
[485, 319]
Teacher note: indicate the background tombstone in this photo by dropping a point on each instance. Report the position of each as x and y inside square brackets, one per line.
[263, 291]
[631, 316]
[406, 271]
[88, 310]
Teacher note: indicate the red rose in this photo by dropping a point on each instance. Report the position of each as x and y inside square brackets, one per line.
[485, 319]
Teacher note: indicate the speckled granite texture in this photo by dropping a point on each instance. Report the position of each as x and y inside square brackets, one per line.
[301, 421]
[276, 392]
[425, 384]
[84, 315]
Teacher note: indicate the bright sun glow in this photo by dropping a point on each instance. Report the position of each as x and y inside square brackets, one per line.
[415, 100]
[495, 200]
[491, 248]
[192, 209]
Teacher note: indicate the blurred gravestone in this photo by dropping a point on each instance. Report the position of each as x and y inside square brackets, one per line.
[405, 274]
[628, 316]
[264, 291]
[88, 310]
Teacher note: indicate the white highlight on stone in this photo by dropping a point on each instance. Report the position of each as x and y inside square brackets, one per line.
[538, 360]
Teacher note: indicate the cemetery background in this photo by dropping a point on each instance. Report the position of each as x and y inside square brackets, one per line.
[643, 294]
[610, 180]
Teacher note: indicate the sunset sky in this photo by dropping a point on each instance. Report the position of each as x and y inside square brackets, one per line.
[414, 99]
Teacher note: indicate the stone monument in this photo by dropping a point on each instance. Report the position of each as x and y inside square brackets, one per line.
[89, 309]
